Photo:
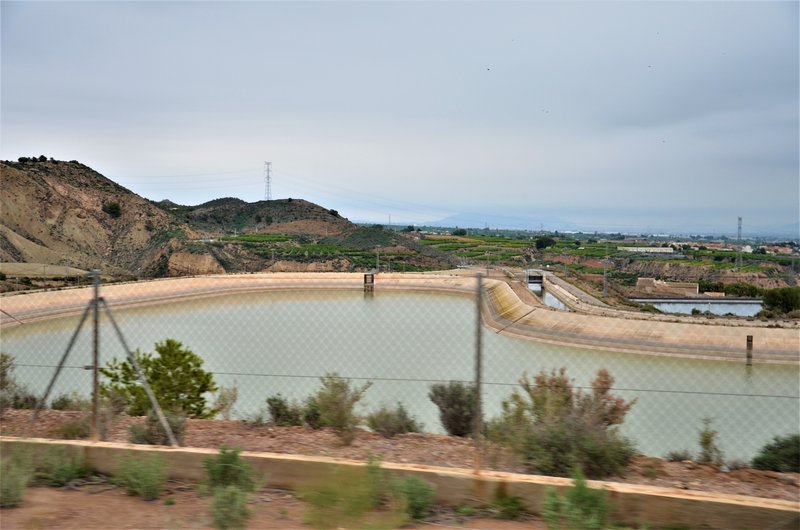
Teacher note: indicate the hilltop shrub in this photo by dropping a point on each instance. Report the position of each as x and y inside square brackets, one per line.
[175, 374]
[337, 401]
[557, 429]
[782, 454]
[456, 402]
[391, 422]
[113, 209]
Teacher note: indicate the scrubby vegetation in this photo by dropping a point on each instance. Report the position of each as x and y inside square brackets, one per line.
[391, 422]
[557, 429]
[337, 401]
[457, 405]
[781, 454]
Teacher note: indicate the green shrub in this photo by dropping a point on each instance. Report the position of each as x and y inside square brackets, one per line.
[283, 412]
[153, 433]
[74, 428]
[142, 475]
[556, 429]
[113, 209]
[418, 495]
[391, 422]
[782, 300]
[508, 506]
[456, 402]
[312, 416]
[581, 508]
[678, 456]
[13, 394]
[61, 466]
[175, 375]
[16, 473]
[71, 401]
[337, 400]
[227, 469]
[710, 453]
[782, 454]
[229, 508]
[354, 497]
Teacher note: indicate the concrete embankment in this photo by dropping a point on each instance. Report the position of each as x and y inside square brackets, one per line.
[503, 311]
[633, 504]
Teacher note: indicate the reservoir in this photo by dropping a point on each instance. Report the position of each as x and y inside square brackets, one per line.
[281, 342]
[741, 308]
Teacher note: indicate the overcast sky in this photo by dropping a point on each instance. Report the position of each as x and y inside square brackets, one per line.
[648, 115]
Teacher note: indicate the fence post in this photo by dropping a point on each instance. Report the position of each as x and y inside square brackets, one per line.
[478, 428]
[749, 350]
[95, 352]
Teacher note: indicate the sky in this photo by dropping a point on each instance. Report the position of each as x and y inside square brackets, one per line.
[639, 116]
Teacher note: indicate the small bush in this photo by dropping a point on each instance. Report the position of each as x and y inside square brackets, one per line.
[283, 412]
[227, 469]
[153, 433]
[229, 508]
[508, 506]
[354, 497]
[74, 428]
[113, 209]
[391, 422]
[61, 466]
[581, 507]
[337, 401]
[556, 429]
[312, 416]
[142, 476]
[16, 473]
[71, 401]
[710, 453]
[456, 402]
[418, 494]
[782, 454]
[226, 399]
[678, 456]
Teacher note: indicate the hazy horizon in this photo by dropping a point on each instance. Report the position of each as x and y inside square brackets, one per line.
[657, 116]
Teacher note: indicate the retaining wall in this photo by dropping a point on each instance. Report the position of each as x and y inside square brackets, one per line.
[634, 505]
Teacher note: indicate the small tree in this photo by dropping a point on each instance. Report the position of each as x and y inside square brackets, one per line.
[175, 374]
[544, 242]
[456, 402]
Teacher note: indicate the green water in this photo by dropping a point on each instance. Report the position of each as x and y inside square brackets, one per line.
[272, 342]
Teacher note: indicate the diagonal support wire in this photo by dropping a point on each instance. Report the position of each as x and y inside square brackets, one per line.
[60, 366]
[142, 379]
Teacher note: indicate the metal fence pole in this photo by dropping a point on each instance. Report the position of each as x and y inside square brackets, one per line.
[95, 352]
[477, 432]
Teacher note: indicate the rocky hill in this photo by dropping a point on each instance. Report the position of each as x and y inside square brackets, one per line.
[65, 214]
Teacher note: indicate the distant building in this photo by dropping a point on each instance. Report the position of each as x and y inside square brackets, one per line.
[648, 250]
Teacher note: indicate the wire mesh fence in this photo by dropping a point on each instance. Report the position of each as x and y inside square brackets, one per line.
[282, 340]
